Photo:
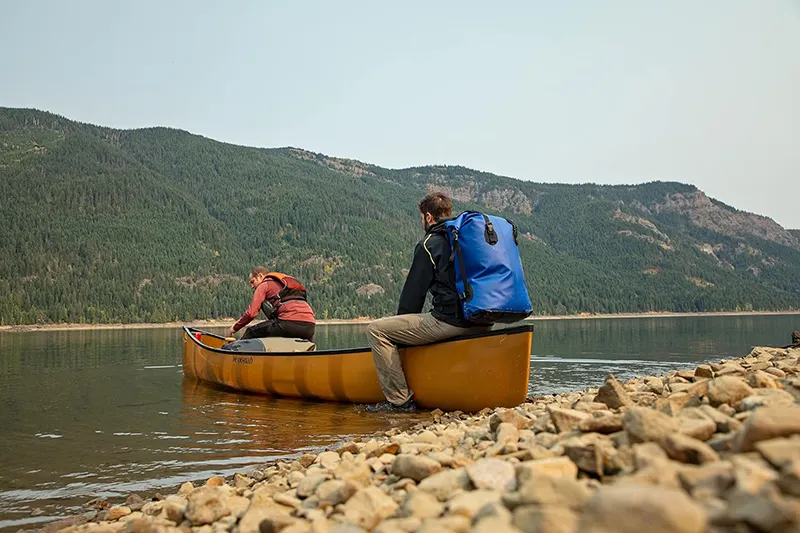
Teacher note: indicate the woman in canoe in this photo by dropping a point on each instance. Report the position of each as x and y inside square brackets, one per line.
[283, 300]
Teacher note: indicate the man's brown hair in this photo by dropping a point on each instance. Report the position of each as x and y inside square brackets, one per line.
[438, 204]
[258, 270]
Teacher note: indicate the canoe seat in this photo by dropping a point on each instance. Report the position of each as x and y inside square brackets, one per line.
[270, 344]
[285, 344]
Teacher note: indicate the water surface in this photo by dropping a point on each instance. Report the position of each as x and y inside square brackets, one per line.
[86, 414]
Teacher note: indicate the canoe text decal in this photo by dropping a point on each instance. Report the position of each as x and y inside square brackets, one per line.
[243, 360]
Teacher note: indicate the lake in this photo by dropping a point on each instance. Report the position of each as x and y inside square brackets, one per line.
[105, 413]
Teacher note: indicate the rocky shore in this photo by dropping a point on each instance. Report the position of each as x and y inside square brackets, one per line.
[715, 449]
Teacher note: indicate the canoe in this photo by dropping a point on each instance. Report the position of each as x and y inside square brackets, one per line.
[466, 373]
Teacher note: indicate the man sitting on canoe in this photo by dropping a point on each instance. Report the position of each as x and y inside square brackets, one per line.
[431, 271]
[283, 301]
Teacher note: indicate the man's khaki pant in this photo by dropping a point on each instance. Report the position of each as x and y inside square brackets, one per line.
[385, 333]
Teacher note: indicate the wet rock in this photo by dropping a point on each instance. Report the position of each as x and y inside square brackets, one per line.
[492, 473]
[446, 484]
[727, 390]
[603, 424]
[536, 519]
[613, 394]
[566, 419]
[632, 509]
[643, 425]
[688, 450]
[768, 423]
[415, 467]
[368, 506]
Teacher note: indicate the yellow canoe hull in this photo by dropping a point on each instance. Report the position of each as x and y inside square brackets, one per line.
[465, 373]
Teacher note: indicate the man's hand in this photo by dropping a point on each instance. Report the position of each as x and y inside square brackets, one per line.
[230, 331]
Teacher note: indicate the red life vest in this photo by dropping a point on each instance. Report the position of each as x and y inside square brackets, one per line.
[292, 290]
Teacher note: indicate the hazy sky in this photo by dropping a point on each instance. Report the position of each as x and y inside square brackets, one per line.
[705, 92]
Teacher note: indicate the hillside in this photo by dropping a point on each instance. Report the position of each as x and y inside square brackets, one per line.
[104, 225]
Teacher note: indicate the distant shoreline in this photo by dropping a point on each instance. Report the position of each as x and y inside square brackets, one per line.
[222, 323]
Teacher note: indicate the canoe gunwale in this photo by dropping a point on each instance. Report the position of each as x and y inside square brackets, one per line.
[527, 328]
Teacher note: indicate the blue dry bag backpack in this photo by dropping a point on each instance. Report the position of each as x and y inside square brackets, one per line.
[489, 277]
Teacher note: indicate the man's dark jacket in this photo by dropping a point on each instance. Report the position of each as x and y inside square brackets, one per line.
[432, 270]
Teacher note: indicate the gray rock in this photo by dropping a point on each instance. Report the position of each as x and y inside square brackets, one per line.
[700, 427]
[566, 419]
[633, 509]
[703, 371]
[540, 489]
[308, 485]
[724, 422]
[710, 480]
[206, 505]
[688, 450]
[644, 425]
[768, 423]
[555, 467]
[613, 394]
[536, 519]
[367, 507]
[789, 481]
[334, 491]
[415, 467]
[492, 473]
[421, 505]
[781, 451]
[603, 424]
[514, 417]
[447, 483]
[469, 503]
[727, 390]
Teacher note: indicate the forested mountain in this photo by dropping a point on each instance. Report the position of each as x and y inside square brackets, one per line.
[104, 225]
